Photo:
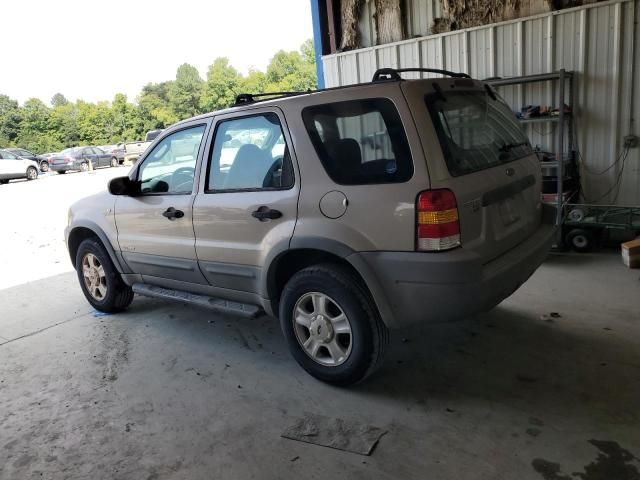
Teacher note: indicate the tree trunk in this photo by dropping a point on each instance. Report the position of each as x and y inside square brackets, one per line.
[349, 15]
[389, 21]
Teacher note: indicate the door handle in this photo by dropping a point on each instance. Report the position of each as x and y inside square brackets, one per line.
[172, 213]
[266, 213]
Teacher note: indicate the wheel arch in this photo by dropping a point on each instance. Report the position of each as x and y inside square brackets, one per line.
[78, 233]
[304, 253]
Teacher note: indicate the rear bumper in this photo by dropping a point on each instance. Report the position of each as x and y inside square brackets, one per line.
[418, 287]
[63, 167]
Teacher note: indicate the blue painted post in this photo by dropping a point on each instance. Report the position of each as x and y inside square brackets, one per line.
[317, 40]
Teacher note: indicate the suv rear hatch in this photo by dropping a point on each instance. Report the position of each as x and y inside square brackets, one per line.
[475, 147]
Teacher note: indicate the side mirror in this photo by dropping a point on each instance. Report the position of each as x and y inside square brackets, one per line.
[124, 186]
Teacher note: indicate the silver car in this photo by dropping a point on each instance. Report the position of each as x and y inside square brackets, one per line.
[346, 213]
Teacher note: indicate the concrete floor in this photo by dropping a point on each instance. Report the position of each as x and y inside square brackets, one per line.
[166, 391]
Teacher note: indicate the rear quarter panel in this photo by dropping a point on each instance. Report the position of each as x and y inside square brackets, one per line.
[378, 217]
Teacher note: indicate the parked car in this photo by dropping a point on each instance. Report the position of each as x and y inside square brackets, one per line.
[13, 167]
[345, 212]
[133, 150]
[39, 159]
[49, 156]
[78, 158]
[107, 148]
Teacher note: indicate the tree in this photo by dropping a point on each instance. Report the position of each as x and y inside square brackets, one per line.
[37, 127]
[291, 71]
[222, 86]
[154, 108]
[185, 92]
[59, 100]
[9, 120]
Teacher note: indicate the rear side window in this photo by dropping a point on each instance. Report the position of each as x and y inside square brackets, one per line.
[250, 153]
[360, 142]
[476, 131]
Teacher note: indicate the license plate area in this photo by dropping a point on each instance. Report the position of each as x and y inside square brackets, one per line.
[508, 210]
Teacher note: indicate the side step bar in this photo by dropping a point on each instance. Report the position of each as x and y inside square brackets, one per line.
[211, 303]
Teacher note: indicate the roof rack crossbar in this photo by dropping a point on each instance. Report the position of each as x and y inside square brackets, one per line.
[383, 74]
[245, 98]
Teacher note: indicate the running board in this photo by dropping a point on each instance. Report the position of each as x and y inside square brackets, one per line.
[216, 304]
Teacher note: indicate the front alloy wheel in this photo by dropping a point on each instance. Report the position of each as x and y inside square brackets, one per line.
[32, 173]
[95, 278]
[322, 329]
[101, 283]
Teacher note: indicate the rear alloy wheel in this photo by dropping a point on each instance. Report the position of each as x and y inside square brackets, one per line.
[114, 162]
[580, 240]
[101, 283]
[322, 329]
[32, 173]
[44, 167]
[84, 166]
[331, 325]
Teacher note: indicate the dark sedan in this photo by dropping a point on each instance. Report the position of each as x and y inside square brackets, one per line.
[81, 158]
[39, 159]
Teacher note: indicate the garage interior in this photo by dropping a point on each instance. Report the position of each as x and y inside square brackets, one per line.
[544, 386]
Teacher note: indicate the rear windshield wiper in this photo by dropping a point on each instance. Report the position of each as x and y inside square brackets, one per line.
[510, 146]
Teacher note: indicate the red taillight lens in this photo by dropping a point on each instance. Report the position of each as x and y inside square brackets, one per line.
[437, 222]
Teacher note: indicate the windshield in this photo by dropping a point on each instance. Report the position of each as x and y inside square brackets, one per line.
[476, 131]
[69, 151]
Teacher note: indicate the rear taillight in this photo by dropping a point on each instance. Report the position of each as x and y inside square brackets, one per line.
[437, 223]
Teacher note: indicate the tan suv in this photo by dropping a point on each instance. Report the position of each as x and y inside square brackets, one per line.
[344, 212]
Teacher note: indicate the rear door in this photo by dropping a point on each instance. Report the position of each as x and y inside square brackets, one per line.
[249, 202]
[475, 146]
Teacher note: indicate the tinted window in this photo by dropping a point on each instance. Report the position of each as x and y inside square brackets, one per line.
[9, 156]
[250, 153]
[476, 131]
[360, 141]
[170, 166]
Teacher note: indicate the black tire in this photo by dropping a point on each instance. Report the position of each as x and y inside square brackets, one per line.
[32, 173]
[4, 182]
[44, 166]
[84, 167]
[119, 295]
[369, 335]
[580, 240]
[114, 162]
[62, 172]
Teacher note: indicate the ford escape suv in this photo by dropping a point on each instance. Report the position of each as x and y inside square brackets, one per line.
[344, 212]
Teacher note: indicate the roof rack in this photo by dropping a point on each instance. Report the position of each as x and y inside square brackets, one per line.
[383, 74]
[246, 98]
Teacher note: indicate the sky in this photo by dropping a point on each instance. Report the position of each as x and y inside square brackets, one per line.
[91, 50]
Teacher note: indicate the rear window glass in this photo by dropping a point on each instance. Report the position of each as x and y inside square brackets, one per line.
[475, 131]
[360, 141]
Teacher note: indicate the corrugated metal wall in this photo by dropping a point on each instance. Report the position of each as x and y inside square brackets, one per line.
[594, 41]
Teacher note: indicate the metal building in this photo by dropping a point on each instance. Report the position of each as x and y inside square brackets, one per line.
[598, 42]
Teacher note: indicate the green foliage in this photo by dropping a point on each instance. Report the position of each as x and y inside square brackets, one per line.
[38, 127]
[59, 100]
[185, 92]
[222, 86]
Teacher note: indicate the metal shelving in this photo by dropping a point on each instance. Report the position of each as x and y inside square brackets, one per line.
[563, 120]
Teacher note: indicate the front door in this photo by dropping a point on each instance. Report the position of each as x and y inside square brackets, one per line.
[155, 229]
[248, 205]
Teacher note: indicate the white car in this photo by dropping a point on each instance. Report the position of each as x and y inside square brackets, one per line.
[12, 166]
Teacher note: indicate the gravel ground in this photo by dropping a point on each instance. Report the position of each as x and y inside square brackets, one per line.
[32, 228]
